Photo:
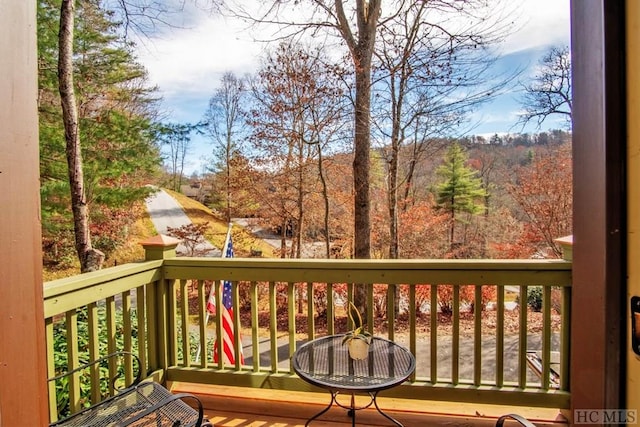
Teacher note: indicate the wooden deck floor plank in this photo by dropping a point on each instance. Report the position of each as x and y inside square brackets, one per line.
[245, 407]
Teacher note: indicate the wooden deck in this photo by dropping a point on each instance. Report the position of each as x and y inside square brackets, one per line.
[245, 407]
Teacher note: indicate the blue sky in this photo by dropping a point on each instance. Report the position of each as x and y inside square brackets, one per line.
[187, 64]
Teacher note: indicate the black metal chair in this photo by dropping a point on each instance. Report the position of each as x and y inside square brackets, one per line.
[520, 419]
[141, 403]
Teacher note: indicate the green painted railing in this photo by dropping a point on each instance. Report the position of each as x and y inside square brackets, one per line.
[157, 309]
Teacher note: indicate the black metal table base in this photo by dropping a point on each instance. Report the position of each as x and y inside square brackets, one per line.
[352, 408]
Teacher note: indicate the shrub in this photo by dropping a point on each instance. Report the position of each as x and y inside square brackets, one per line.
[60, 354]
[534, 298]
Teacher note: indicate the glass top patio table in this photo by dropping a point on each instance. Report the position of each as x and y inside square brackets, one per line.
[325, 362]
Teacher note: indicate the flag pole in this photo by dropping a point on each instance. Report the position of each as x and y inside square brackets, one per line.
[213, 287]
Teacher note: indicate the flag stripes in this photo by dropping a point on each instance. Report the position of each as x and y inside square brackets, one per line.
[228, 332]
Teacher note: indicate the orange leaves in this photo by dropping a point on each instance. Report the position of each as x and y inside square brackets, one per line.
[543, 190]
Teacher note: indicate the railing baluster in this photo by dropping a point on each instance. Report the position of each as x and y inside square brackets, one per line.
[311, 322]
[331, 324]
[477, 335]
[218, 343]
[172, 320]
[455, 337]
[391, 311]
[522, 338]
[71, 326]
[153, 328]
[433, 314]
[141, 315]
[203, 315]
[235, 303]
[112, 342]
[127, 329]
[500, 290]
[255, 338]
[291, 311]
[370, 305]
[183, 303]
[350, 297]
[273, 326]
[413, 316]
[565, 332]
[546, 336]
[51, 369]
[94, 349]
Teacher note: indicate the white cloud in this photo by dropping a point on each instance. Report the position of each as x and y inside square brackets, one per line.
[193, 59]
[540, 23]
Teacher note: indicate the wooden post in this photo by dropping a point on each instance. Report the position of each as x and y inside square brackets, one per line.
[566, 243]
[159, 247]
[23, 373]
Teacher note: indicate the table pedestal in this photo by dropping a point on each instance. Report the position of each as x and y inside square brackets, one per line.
[352, 408]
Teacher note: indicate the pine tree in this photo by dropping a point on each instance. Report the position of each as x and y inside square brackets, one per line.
[115, 109]
[460, 191]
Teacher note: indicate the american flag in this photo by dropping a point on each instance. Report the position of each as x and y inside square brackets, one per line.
[228, 333]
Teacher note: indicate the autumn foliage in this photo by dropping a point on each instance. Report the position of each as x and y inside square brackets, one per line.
[542, 190]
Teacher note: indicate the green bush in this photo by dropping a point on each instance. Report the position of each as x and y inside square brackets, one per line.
[534, 298]
[60, 355]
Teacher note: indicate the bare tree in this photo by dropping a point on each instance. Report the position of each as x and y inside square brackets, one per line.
[431, 72]
[355, 24]
[297, 106]
[549, 92]
[224, 122]
[326, 124]
[177, 137]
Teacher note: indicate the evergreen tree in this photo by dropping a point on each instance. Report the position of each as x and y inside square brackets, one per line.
[115, 112]
[460, 191]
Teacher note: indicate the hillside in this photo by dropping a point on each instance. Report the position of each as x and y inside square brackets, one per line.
[143, 229]
[243, 241]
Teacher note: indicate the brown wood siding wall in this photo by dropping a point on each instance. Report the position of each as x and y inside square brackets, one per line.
[23, 393]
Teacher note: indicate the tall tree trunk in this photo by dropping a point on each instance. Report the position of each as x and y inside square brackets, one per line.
[283, 234]
[325, 197]
[228, 173]
[297, 227]
[409, 178]
[90, 258]
[361, 173]
[361, 48]
[452, 226]
[392, 180]
[392, 200]
[361, 164]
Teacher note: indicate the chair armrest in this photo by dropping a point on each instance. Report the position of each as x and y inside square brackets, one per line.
[519, 418]
[65, 408]
[110, 356]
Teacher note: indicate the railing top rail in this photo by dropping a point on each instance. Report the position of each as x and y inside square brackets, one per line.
[503, 272]
[89, 286]
[367, 264]
[71, 292]
[73, 283]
